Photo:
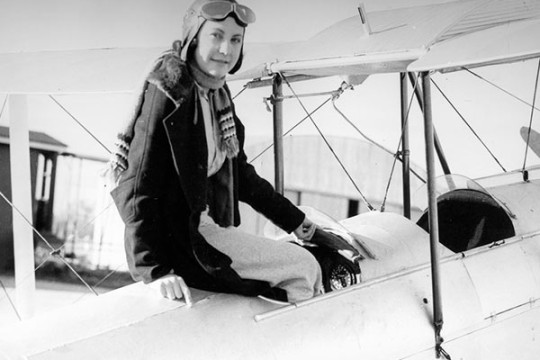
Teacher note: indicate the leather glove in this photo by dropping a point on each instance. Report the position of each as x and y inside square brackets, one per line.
[306, 230]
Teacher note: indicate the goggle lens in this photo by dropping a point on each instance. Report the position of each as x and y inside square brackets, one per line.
[219, 10]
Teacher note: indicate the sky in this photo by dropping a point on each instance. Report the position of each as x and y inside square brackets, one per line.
[46, 26]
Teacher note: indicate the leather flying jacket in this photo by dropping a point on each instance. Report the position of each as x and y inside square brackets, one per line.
[165, 188]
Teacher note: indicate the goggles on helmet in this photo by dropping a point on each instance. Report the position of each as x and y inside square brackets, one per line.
[219, 10]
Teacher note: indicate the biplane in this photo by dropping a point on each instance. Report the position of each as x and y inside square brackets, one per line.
[460, 282]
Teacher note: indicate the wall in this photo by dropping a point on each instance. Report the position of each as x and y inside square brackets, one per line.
[6, 212]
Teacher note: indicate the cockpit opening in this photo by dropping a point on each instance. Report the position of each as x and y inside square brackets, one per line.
[468, 219]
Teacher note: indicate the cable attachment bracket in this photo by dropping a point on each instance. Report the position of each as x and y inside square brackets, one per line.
[525, 175]
[337, 93]
[57, 252]
[439, 351]
[266, 100]
[442, 354]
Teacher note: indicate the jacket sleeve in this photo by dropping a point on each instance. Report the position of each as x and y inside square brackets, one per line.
[260, 194]
[140, 191]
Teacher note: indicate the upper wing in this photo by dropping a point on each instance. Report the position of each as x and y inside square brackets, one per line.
[430, 37]
[504, 43]
[389, 41]
[74, 71]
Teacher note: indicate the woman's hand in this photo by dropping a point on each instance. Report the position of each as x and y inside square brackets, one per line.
[172, 287]
[306, 230]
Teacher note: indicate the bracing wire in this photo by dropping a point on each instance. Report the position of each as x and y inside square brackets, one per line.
[468, 125]
[22, 281]
[405, 124]
[80, 124]
[370, 207]
[371, 140]
[532, 116]
[10, 301]
[74, 234]
[291, 129]
[53, 250]
[96, 285]
[112, 272]
[107, 149]
[4, 105]
[500, 88]
[57, 251]
[240, 92]
[43, 262]
[383, 204]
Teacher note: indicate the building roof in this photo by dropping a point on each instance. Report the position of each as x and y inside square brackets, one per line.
[38, 140]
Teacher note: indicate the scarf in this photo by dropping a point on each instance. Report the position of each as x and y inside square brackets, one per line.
[220, 104]
[221, 198]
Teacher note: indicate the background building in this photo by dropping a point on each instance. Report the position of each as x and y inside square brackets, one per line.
[313, 177]
[72, 207]
[44, 152]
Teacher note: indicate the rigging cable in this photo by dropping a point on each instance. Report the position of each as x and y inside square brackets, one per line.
[240, 92]
[112, 272]
[371, 140]
[10, 301]
[54, 251]
[80, 124]
[336, 94]
[100, 282]
[45, 260]
[468, 125]
[398, 147]
[531, 119]
[291, 129]
[57, 251]
[90, 222]
[106, 208]
[4, 105]
[500, 88]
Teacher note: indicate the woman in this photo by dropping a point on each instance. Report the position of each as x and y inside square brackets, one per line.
[183, 170]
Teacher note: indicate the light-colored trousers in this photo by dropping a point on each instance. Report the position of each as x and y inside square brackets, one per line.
[282, 264]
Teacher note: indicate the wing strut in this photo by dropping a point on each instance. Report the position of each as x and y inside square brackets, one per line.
[438, 147]
[525, 173]
[277, 103]
[405, 169]
[433, 214]
[21, 197]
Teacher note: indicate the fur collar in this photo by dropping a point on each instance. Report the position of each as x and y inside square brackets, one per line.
[173, 78]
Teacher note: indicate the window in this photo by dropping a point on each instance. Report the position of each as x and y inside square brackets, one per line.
[43, 178]
[354, 206]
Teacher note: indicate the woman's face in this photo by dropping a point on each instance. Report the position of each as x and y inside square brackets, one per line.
[219, 44]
